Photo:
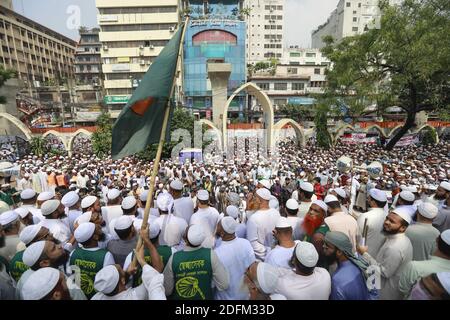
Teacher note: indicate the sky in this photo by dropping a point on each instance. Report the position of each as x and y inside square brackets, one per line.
[301, 16]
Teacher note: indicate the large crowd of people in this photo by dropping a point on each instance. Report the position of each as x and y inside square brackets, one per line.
[294, 227]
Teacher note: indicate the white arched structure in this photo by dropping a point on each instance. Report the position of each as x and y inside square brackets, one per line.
[76, 133]
[432, 128]
[267, 107]
[299, 131]
[216, 130]
[379, 129]
[19, 124]
[61, 137]
[341, 130]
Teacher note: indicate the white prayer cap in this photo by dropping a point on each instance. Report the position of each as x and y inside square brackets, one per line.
[123, 223]
[267, 276]
[428, 210]
[292, 204]
[412, 189]
[445, 236]
[8, 217]
[445, 185]
[403, 212]
[232, 211]
[203, 195]
[266, 184]
[321, 204]
[143, 196]
[88, 201]
[330, 198]
[229, 225]
[106, 280]
[306, 186]
[264, 194]
[176, 185]
[113, 194]
[85, 217]
[40, 283]
[282, 223]
[22, 211]
[70, 199]
[407, 196]
[444, 279]
[273, 203]
[154, 230]
[27, 194]
[29, 233]
[306, 254]
[128, 202]
[341, 192]
[164, 201]
[84, 232]
[32, 254]
[196, 235]
[432, 187]
[378, 195]
[49, 206]
[46, 195]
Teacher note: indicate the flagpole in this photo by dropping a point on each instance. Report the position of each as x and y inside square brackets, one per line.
[162, 139]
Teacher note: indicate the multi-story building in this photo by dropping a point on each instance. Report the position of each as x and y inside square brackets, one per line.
[216, 32]
[132, 33]
[265, 29]
[350, 17]
[38, 54]
[301, 56]
[88, 66]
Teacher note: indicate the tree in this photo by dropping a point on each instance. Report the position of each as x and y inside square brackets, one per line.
[37, 145]
[323, 137]
[295, 112]
[405, 63]
[5, 75]
[102, 137]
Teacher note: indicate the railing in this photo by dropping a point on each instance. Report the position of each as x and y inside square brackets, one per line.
[244, 126]
[393, 124]
[62, 130]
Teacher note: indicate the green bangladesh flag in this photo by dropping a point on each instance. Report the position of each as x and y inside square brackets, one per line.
[140, 122]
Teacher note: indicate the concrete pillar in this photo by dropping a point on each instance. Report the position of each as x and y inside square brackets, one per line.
[219, 73]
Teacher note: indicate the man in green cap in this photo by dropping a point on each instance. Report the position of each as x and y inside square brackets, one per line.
[348, 282]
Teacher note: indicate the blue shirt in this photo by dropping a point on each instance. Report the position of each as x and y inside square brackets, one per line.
[348, 283]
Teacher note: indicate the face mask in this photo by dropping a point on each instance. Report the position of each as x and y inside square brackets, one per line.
[419, 293]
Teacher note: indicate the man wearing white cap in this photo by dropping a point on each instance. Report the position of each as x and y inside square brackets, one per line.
[183, 206]
[29, 198]
[373, 220]
[342, 196]
[435, 286]
[439, 262]
[127, 234]
[339, 221]
[10, 223]
[306, 281]
[422, 234]
[207, 217]
[261, 224]
[110, 283]
[82, 179]
[46, 284]
[294, 221]
[241, 229]
[406, 199]
[441, 194]
[53, 211]
[72, 202]
[394, 254]
[36, 181]
[281, 255]
[442, 220]
[24, 183]
[305, 198]
[88, 256]
[236, 254]
[202, 265]
[44, 196]
[113, 209]
[172, 227]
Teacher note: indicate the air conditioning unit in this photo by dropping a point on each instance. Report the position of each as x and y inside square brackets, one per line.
[141, 47]
[141, 53]
[105, 48]
[172, 29]
[152, 46]
[142, 62]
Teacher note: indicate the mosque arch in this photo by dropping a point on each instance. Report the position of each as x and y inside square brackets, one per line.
[341, 130]
[75, 134]
[268, 113]
[59, 136]
[216, 130]
[19, 124]
[394, 130]
[427, 126]
[299, 131]
[377, 127]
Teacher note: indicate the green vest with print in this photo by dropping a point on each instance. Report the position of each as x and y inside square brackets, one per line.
[192, 274]
[164, 252]
[89, 262]
[17, 267]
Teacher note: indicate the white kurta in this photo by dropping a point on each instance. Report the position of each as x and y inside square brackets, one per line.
[296, 224]
[184, 208]
[317, 286]
[110, 213]
[280, 256]
[207, 218]
[58, 228]
[375, 237]
[259, 231]
[152, 288]
[303, 208]
[172, 229]
[236, 256]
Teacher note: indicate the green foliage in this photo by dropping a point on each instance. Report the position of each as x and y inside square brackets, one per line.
[430, 136]
[102, 137]
[37, 145]
[405, 63]
[295, 112]
[5, 75]
[323, 137]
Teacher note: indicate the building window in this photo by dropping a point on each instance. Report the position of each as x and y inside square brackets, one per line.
[292, 70]
[279, 7]
[298, 86]
[279, 27]
[281, 86]
[310, 54]
[317, 71]
[355, 29]
[279, 102]
[355, 19]
[359, 5]
[348, 4]
[267, 7]
[264, 85]
[354, 11]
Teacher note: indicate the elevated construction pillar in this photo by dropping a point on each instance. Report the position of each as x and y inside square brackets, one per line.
[218, 73]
